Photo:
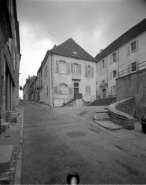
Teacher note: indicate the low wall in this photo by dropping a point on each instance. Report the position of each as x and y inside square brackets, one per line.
[133, 85]
[122, 113]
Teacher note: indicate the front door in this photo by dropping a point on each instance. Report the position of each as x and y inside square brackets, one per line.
[104, 93]
[76, 89]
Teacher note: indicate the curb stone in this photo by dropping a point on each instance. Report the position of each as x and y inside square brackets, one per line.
[17, 179]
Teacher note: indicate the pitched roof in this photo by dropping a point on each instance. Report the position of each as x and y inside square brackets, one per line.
[123, 39]
[71, 49]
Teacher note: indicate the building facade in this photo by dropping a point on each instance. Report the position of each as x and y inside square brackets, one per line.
[66, 70]
[9, 57]
[124, 56]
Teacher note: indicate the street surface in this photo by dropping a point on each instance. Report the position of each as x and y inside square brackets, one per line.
[56, 142]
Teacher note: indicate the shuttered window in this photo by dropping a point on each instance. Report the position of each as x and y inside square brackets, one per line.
[70, 90]
[57, 66]
[55, 90]
[92, 72]
[88, 89]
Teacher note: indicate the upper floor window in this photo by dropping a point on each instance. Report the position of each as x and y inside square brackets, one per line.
[133, 66]
[114, 73]
[114, 57]
[89, 71]
[133, 46]
[62, 67]
[45, 72]
[76, 68]
[88, 89]
[103, 64]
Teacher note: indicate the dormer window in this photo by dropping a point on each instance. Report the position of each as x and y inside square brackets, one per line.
[74, 52]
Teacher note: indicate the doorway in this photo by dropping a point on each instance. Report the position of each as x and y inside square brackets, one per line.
[76, 89]
[104, 93]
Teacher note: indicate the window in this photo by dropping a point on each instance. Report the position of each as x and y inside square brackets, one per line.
[62, 67]
[114, 57]
[63, 89]
[114, 74]
[88, 89]
[133, 66]
[75, 68]
[89, 71]
[133, 46]
[103, 64]
[47, 90]
[114, 89]
[45, 72]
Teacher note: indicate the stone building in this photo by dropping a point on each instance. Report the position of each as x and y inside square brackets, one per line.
[9, 57]
[67, 70]
[121, 57]
[121, 68]
[28, 88]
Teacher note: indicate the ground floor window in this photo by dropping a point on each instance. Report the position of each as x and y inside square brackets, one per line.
[63, 89]
[88, 89]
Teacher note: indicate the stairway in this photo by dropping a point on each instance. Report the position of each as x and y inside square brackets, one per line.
[102, 101]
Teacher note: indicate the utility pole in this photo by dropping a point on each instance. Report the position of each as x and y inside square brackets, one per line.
[52, 37]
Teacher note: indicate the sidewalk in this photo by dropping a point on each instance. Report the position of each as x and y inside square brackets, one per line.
[10, 149]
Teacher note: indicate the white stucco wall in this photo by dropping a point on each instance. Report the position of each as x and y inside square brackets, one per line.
[67, 79]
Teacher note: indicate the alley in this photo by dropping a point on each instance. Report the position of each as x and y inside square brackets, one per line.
[56, 143]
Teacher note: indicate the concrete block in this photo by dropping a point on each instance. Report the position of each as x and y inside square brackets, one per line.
[5, 125]
[6, 152]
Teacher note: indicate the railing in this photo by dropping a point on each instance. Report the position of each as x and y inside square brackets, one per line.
[85, 98]
[128, 70]
[93, 98]
[68, 99]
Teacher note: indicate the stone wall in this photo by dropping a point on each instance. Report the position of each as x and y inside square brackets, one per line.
[122, 112]
[133, 85]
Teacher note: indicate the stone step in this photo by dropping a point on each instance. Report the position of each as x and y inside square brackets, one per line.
[6, 152]
[5, 125]
[101, 116]
[109, 125]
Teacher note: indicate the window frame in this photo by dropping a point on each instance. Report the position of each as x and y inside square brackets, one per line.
[133, 66]
[114, 74]
[62, 68]
[132, 48]
[114, 57]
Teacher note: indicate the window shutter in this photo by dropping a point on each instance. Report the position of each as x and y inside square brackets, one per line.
[137, 46]
[86, 75]
[80, 69]
[110, 75]
[117, 73]
[68, 68]
[128, 52]
[57, 66]
[86, 89]
[129, 68]
[137, 65]
[55, 90]
[92, 72]
[110, 59]
[70, 90]
[72, 68]
[117, 55]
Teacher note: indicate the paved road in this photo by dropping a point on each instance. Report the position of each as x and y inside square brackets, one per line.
[56, 143]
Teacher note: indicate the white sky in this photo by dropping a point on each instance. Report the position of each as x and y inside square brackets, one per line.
[95, 23]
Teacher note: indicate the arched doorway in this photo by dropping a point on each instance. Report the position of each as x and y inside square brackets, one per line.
[104, 93]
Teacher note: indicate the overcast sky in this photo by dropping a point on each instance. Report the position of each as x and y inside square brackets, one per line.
[95, 24]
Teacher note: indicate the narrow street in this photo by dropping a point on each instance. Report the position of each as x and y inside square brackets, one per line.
[56, 143]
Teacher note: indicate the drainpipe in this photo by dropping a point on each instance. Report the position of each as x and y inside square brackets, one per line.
[1, 86]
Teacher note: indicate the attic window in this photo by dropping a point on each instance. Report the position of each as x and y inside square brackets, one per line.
[74, 52]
